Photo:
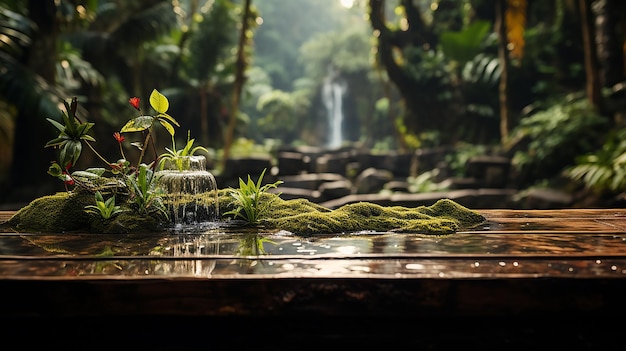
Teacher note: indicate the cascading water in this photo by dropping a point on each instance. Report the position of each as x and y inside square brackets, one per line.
[333, 92]
[191, 190]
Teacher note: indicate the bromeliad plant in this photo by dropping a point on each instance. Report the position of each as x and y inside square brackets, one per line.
[146, 195]
[248, 199]
[137, 182]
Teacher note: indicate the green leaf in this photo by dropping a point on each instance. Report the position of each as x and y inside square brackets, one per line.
[88, 138]
[166, 117]
[167, 126]
[99, 197]
[70, 152]
[90, 173]
[138, 124]
[56, 142]
[56, 124]
[463, 45]
[84, 128]
[159, 102]
[55, 170]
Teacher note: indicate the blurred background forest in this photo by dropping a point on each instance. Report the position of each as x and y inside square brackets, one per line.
[539, 82]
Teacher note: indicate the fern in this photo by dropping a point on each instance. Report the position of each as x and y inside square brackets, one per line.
[604, 170]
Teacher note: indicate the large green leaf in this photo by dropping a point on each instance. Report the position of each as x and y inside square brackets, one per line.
[138, 124]
[463, 45]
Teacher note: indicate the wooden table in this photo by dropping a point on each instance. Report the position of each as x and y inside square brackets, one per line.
[523, 279]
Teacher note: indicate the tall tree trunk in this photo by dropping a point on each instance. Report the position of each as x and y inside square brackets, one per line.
[30, 158]
[608, 43]
[591, 60]
[503, 57]
[240, 67]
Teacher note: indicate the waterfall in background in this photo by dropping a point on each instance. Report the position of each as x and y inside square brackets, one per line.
[333, 91]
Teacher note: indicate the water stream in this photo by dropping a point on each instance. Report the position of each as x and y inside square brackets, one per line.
[333, 92]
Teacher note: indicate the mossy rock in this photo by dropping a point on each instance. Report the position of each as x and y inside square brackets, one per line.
[65, 211]
[54, 213]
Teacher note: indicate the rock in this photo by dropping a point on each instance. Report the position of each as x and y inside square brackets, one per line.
[372, 180]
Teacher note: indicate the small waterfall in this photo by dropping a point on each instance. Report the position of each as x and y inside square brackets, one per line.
[333, 92]
[192, 192]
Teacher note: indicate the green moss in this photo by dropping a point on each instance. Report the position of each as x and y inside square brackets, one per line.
[54, 213]
[303, 217]
[65, 212]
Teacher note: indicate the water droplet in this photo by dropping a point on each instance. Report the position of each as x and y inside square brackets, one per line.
[441, 274]
[476, 264]
[613, 268]
[515, 264]
[571, 269]
[414, 266]
[598, 261]
[501, 264]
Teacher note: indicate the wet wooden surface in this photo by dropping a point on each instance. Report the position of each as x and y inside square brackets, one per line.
[540, 272]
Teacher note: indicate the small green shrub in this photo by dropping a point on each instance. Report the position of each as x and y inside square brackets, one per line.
[549, 140]
[605, 169]
[248, 199]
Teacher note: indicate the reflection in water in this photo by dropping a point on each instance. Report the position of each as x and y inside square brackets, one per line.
[188, 246]
[202, 246]
[504, 246]
[253, 245]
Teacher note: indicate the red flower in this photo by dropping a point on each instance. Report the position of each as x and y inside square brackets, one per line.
[119, 137]
[135, 102]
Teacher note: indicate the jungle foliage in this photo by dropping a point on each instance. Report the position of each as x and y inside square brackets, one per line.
[489, 73]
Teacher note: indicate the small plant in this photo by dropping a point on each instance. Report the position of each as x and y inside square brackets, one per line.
[142, 123]
[546, 142]
[71, 135]
[144, 193]
[248, 201]
[173, 154]
[137, 182]
[106, 209]
[603, 170]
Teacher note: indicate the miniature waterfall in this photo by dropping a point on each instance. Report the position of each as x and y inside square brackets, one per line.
[191, 190]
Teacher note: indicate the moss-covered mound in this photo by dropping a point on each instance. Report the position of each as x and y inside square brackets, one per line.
[303, 217]
[66, 212]
[53, 213]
